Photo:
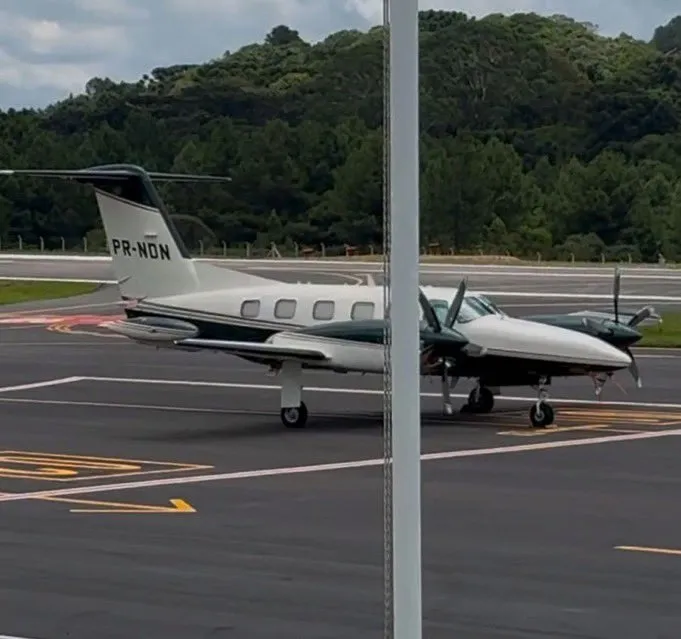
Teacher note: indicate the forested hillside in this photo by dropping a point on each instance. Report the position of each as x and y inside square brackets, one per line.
[538, 135]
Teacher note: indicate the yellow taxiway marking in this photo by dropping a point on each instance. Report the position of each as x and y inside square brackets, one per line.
[61, 467]
[616, 421]
[527, 431]
[649, 549]
[110, 507]
[620, 414]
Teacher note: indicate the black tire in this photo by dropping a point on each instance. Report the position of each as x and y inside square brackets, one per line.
[294, 417]
[543, 416]
[484, 403]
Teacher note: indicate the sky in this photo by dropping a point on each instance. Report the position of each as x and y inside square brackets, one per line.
[50, 48]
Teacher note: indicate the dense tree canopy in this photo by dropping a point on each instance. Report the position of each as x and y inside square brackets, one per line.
[538, 135]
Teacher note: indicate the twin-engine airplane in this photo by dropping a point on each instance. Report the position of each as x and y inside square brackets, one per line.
[187, 304]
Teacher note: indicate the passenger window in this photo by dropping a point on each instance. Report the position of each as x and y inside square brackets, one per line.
[250, 308]
[323, 310]
[362, 311]
[285, 309]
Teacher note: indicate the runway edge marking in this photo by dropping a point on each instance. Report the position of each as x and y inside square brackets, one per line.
[347, 465]
[363, 391]
[651, 549]
[45, 384]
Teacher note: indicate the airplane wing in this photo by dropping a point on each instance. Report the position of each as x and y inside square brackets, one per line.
[265, 353]
[629, 317]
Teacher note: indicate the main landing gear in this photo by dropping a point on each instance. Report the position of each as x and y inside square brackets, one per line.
[293, 409]
[480, 400]
[294, 416]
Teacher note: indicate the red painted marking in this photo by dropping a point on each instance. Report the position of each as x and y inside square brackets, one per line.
[68, 320]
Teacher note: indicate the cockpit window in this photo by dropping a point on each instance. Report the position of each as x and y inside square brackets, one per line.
[488, 304]
[472, 308]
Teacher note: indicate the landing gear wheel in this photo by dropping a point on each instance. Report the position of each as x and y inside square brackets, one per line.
[541, 415]
[480, 400]
[294, 416]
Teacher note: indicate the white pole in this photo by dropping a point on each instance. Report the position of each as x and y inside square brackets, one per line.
[404, 317]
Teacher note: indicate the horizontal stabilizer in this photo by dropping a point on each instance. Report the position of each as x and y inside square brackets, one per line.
[112, 173]
[258, 350]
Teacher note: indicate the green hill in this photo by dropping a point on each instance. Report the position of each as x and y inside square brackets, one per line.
[538, 135]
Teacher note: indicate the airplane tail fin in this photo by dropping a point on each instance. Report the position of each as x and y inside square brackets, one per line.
[148, 255]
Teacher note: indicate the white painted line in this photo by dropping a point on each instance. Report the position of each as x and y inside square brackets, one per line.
[14, 637]
[76, 343]
[577, 296]
[318, 468]
[359, 391]
[154, 407]
[58, 257]
[51, 382]
[66, 280]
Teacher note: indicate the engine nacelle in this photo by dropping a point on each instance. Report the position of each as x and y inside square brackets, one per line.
[155, 331]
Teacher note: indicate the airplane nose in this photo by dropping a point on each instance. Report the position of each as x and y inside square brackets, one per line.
[616, 357]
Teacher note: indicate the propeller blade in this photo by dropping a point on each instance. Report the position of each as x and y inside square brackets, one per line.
[616, 294]
[642, 315]
[454, 309]
[633, 369]
[429, 312]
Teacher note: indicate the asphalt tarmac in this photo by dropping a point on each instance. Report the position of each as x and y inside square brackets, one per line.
[155, 494]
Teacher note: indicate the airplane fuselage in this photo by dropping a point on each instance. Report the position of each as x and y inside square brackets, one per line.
[260, 313]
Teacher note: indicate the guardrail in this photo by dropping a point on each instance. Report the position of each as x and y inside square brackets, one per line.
[432, 253]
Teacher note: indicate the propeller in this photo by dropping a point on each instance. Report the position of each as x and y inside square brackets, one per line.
[633, 368]
[455, 307]
[639, 316]
[642, 314]
[616, 293]
[429, 312]
[433, 321]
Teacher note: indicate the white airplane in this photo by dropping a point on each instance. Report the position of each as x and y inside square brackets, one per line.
[179, 302]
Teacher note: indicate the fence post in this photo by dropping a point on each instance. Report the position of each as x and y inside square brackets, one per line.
[63, 245]
[42, 244]
[85, 244]
[224, 249]
[201, 248]
[21, 242]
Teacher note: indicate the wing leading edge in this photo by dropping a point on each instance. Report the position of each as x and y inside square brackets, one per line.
[259, 350]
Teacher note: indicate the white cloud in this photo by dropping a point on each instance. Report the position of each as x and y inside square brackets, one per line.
[50, 36]
[62, 78]
[112, 8]
[52, 47]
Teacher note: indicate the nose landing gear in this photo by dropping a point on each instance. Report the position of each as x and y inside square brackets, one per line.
[542, 413]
